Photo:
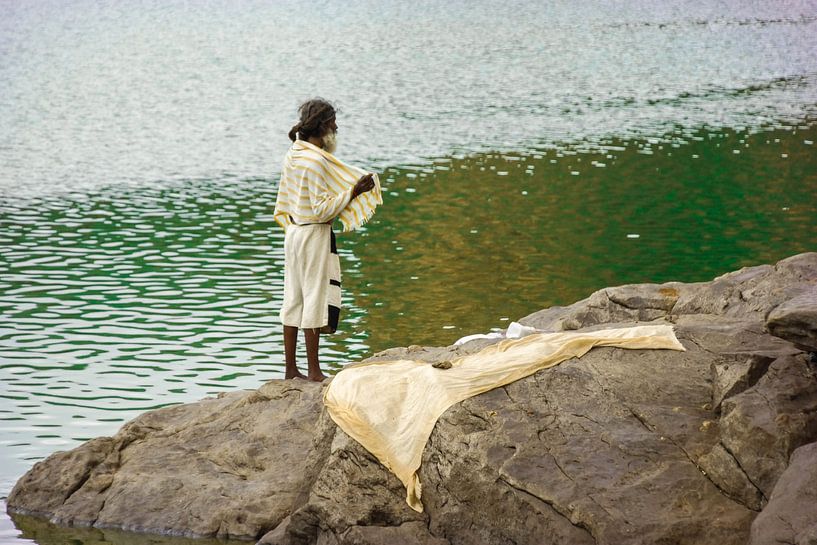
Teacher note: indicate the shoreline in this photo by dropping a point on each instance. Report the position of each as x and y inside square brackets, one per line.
[707, 447]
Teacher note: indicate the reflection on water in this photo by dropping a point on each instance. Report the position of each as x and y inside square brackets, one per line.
[45, 533]
[462, 246]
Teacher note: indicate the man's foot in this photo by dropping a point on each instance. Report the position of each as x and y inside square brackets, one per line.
[317, 378]
[296, 374]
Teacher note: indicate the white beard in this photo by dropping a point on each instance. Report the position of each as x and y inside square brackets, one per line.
[330, 142]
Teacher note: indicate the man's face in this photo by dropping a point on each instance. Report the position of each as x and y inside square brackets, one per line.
[330, 139]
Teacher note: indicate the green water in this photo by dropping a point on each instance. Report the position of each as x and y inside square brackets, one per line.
[466, 245]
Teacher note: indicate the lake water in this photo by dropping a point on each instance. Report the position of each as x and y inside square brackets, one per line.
[530, 155]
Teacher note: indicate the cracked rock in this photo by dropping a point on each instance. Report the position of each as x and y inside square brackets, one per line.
[733, 377]
[791, 515]
[229, 466]
[762, 426]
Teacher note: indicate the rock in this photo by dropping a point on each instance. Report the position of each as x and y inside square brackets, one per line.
[229, 467]
[638, 302]
[48, 486]
[751, 292]
[42, 532]
[762, 426]
[746, 295]
[791, 515]
[580, 455]
[796, 320]
[733, 377]
[723, 469]
[618, 447]
[352, 495]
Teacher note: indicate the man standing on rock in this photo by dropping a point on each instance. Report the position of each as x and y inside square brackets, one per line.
[315, 189]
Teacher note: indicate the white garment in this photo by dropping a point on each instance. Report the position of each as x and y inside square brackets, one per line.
[514, 331]
[308, 267]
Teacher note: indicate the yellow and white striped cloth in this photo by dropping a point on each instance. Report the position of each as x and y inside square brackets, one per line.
[316, 187]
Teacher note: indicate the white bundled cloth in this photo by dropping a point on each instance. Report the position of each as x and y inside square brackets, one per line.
[515, 331]
[391, 407]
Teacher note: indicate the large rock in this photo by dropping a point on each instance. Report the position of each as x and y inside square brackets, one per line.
[231, 466]
[619, 447]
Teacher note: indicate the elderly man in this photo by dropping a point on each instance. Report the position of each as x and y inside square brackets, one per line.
[315, 189]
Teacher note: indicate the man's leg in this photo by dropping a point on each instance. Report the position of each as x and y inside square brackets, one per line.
[290, 341]
[312, 341]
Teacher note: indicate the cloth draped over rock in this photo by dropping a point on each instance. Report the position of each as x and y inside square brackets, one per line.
[316, 187]
[391, 407]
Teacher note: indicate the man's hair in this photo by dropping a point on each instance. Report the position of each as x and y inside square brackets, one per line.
[315, 115]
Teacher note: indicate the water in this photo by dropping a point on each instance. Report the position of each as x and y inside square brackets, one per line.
[98, 93]
[530, 155]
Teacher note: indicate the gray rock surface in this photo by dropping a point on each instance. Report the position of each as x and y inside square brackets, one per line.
[796, 320]
[791, 515]
[229, 467]
[619, 447]
[733, 377]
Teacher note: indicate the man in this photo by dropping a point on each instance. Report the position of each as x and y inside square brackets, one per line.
[315, 189]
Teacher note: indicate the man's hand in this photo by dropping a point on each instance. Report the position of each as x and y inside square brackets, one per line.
[364, 184]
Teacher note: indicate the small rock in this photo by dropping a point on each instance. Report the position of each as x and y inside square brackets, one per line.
[791, 515]
[796, 320]
[723, 470]
[764, 424]
[733, 377]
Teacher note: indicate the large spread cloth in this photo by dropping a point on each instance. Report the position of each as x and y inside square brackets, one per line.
[316, 187]
[391, 407]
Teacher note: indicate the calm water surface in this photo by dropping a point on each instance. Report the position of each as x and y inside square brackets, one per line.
[530, 155]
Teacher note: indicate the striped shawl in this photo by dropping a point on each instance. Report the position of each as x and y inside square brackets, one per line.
[316, 187]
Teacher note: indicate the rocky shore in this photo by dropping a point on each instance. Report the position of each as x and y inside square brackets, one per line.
[715, 445]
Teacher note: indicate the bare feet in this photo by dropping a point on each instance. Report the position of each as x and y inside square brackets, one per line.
[320, 377]
[296, 374]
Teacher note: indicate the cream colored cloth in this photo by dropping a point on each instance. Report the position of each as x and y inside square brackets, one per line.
[391, 407]
[316, 187]
[309, 265]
